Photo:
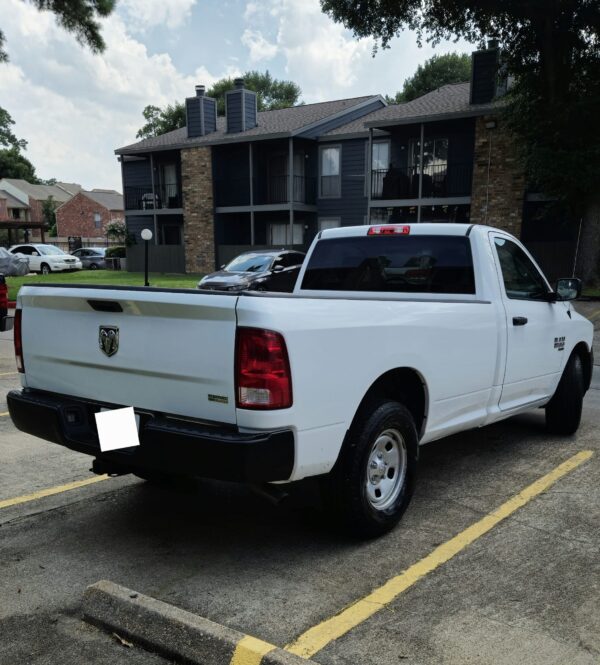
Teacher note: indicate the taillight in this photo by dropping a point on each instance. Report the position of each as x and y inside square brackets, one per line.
[262, 370]
[390, 230]
[18, 340]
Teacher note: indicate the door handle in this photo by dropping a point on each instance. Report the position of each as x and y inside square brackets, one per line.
[519, 320]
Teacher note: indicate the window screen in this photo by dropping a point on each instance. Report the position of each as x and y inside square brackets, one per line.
[406, 264]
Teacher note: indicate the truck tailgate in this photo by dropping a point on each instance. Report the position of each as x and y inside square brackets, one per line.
[175, 348]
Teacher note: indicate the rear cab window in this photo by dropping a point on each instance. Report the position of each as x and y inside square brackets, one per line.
[392, 264]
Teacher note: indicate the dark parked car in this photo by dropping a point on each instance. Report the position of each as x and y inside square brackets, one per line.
[91, 257]
[12, 265]
[261, 270]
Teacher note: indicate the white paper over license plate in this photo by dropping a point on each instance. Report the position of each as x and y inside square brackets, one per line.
[118, 428]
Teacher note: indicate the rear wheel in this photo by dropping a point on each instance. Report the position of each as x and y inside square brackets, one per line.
[93, 266]
[563, 411]
[372, 483]
[45, 269]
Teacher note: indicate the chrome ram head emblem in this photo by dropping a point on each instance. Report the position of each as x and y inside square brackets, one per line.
[109, 340]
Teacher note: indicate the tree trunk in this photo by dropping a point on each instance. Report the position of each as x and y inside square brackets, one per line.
[588, 255]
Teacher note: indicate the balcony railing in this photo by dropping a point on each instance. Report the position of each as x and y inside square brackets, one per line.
[266, 191]
[439, 181]
[142, 198]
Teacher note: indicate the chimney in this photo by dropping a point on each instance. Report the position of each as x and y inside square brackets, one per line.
[200, 113]
[486, 81]
[240, 108]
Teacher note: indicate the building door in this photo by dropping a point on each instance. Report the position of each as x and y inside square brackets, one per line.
[168, 178]
[277, 178]
[171, 234]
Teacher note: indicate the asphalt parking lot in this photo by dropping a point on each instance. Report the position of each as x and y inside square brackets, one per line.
[526, 591]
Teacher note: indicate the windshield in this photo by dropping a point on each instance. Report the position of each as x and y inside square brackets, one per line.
[49, 250]
[250, 263]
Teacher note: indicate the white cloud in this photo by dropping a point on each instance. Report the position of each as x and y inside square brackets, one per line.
[326, 60]
[143, 14]
[260, 48]
[74, 107]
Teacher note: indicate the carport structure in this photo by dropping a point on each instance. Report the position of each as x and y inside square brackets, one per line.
[22, 225]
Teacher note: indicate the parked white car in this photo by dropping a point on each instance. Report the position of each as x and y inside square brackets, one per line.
[46, 258]
[394, 336]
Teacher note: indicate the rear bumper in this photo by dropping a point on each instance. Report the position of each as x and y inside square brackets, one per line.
[167, 444]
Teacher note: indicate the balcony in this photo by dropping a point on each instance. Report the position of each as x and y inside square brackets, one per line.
[266, 191]
[142, 198]
[439, 181]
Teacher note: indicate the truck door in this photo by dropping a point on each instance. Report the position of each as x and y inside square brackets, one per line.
[533, 358]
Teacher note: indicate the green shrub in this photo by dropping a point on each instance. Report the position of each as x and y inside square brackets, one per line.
[118, 252]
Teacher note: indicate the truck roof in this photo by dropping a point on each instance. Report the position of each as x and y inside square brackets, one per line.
[437, 229]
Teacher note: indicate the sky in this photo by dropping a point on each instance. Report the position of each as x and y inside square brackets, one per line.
[75, 108]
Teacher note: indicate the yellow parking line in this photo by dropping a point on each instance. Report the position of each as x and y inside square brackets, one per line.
[317, 637]
[8, 373]
[4, 414]
[250, 651]
[49, 491]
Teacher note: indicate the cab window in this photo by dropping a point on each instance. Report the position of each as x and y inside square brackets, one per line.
[522, 280]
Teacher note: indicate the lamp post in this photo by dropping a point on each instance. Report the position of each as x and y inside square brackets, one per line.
[146, 237]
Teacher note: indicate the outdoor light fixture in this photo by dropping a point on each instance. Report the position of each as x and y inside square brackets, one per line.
[146, 237]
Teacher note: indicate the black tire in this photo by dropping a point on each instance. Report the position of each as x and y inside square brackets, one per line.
[93, 266]
[45, 269]
[563, 411]
[345, 488]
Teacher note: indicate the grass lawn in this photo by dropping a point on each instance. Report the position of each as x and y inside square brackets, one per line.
[104, 277]
[592, 292]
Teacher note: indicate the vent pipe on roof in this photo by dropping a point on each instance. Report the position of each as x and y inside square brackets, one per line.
[200, 114]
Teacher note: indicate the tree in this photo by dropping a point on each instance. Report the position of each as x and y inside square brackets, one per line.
[271, 94]
[14, 165]
[79, 17]
[552, 49]
[439, 70]
[49, 207]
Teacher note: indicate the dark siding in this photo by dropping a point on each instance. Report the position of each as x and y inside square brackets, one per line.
[351, 207]
[135, 225]
[193, 116]
[338, 122]
[136, 173]
[233, 108]
[483, 77]
[210, 115]
[250, 109]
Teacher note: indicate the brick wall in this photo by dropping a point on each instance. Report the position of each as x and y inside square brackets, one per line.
[502, 192]
[76, 217]
[198, 209]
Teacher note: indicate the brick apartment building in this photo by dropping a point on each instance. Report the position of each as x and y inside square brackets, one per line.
[88, 212]
[261, 179]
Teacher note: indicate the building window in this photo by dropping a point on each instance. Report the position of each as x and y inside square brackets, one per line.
[380, 163]
[280, 234]
[329, 223]
[97, 220]
[330, 180]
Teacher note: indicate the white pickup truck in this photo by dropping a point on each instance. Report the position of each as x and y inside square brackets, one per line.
[394, 336]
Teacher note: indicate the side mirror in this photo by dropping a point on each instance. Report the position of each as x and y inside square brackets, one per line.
[222, 267]
[568, 288]
[278, 268]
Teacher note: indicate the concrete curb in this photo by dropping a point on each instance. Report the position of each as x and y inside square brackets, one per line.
[173, 632]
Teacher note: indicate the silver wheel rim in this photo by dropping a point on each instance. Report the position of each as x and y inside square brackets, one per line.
[386, 469]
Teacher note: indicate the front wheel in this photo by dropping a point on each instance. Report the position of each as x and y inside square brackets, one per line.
[45, 269]
[563, 411]
[93, 266]
[372, 482]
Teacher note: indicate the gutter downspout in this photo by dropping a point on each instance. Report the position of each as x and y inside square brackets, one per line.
[251, 169]
[368, 172]
[420, 172]
[291, 187]
[154, 200]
